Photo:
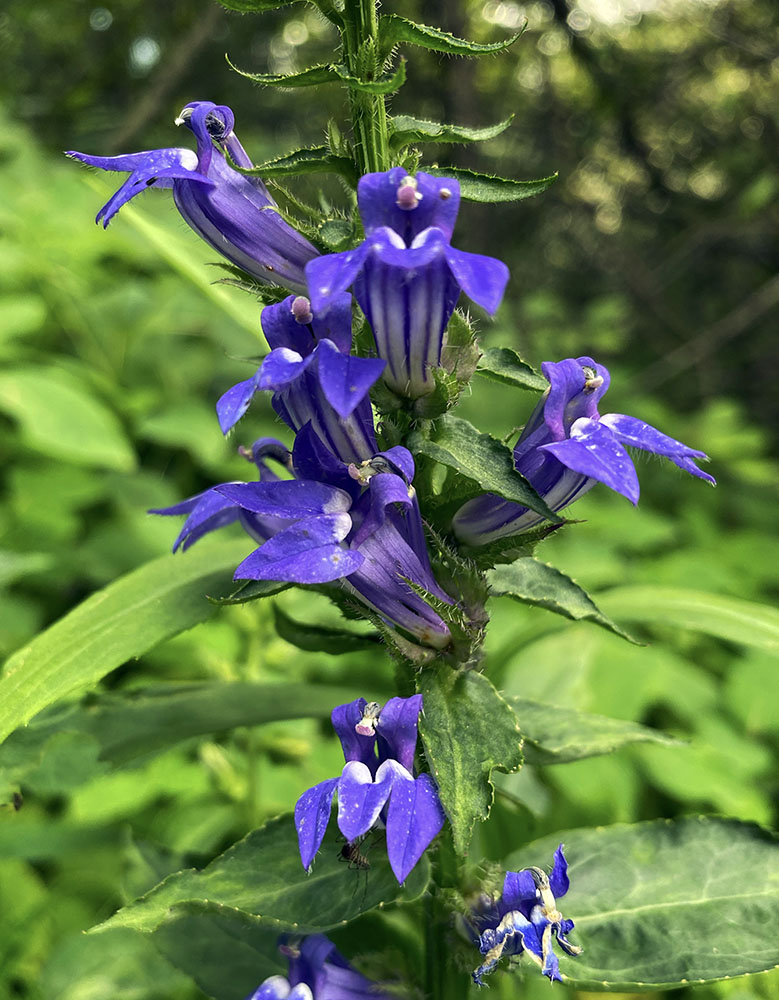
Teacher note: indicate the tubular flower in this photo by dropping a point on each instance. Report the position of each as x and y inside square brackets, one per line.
[317, 972]
[566, 447]
[232, 212]
[357, 525]
[313, 377]
[525, 919]
[406, 275]
[377, 783]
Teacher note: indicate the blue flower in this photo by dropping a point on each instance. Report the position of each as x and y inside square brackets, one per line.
[232, 212]
[313, 377]
[355, 525]
[317, 972]
[377, 782]
[406, 275]
[565, 448]
[525, 919]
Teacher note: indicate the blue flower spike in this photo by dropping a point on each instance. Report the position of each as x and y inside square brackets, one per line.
[317, 972]
[526, 919]
[566, 448]
[406, 276]
[377, 785]
[233, 212]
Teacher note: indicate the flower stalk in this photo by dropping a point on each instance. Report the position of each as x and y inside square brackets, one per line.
[369, 111]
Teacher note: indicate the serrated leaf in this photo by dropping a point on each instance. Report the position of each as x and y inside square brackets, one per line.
[255, 6]
[406, 130]
[492, 190]
[729, 618]
[314, 76]
[313, 160]
[386, 85]
[261, 876]
[124, 727]
[482, 459]
[532, 582]
[394, 29]
[122, 621]
[336, 234]
[554, 735]
[501, 364]
[321, 639]
[664, 904]
[468, 731]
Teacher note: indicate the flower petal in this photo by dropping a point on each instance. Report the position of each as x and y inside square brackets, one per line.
[483, 279]
[414, 817]
[309, 551]
[519, 893]
[273, 988]
[345, 380]
[437, 204]
[638, 434]
[397, 730]
[330, 276]
[360, 798]
[207, 511]
[355, 745]
[234, 403]
[312, 814]
[291, 498]
[593, 450]
[558, 879]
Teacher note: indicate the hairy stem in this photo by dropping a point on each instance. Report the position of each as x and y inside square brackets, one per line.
[369, 111]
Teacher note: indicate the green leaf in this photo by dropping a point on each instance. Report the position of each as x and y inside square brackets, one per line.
[482, 459]
[124, 727]
[249, 590]
[319, 638]
[313, 160]
[468, 731]
[492, 190]
[665, 904]
[386, 85]
[261, 876]
[406, 130]
[728, 618]
[58, 415]
[314, 76]
[394, 29]
[255, 6]
[122, 621]
[501, 364]
[555, 735]
[533, 582]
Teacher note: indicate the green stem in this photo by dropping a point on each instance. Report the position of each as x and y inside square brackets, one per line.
[443, 980]
[369, 111]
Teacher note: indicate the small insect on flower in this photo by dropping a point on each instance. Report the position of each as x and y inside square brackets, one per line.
[350, 852]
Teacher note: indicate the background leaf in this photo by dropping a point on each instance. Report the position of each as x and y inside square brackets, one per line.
[406, 130]
[726, 617]
[665, 903]
[394, 29]
[125, 619]
[261, 876]
[468, 730]
[554, 735]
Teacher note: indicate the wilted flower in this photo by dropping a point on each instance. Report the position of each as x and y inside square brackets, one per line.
[406, 275]
[525, 919]
[231, 211]
[317, 972]
[377, 782]
[565, 448]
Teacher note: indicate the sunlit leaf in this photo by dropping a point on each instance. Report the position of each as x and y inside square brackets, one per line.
[394, 29]
[501, 364]
[492, 190]
[406, 130]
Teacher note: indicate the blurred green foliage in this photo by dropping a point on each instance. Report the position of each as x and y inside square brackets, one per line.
[655, 252]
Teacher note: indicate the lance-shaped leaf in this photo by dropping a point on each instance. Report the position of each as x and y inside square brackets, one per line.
[313, 160]
[394, 29]
[532, 582]
[249, 590]
[489, 189]
[124, 727]
[406, 130]
[390, 84]
[665, 904]
[255, 6]
[122, 621]
[468, 731]
[482, 459]
[554, 735]
[501, 364]
[261, 876]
